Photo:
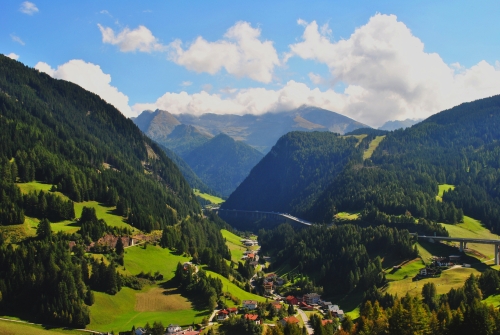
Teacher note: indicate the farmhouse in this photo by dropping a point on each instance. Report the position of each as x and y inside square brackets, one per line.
[311, 298]
[290, 319]
[276, 304]
[222, 315]
[250, 304]
[171, 329]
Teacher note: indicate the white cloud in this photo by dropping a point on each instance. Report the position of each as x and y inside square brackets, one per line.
[90, 77]
[28, 8]
[17, 39]
[241, 53]
[387, 73]
[140, 39]
[13, 56]
[248, 101]
[186, 83]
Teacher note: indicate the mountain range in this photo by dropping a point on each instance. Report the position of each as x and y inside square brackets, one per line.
[258, 131]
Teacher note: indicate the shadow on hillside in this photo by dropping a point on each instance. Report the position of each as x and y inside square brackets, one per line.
[171, 287]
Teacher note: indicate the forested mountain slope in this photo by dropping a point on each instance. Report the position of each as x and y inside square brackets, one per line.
[290, 177]
[459, 146]
[56, 132]
[223, 163]
[188, 173]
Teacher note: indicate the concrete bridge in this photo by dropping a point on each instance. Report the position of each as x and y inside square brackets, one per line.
[464, 241]
[257, 215]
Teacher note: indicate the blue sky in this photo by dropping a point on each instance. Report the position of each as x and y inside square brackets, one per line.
[370, 60]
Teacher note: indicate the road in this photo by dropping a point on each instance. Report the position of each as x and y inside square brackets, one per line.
[304, 317]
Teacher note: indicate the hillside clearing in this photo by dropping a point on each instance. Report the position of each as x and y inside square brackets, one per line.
[373, 145]
[107, 213]
[212, 198]
[442, 188]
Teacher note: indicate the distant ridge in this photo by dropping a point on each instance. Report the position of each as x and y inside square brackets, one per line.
[399, 124]
[258, 131]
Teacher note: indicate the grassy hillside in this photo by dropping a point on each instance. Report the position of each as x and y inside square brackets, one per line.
[16, 328]
[153, 259]
[227, 286]
[235, 246]
[107, 213]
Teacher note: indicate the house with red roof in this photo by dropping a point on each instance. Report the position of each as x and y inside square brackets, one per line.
[253, 317]
[291, 300]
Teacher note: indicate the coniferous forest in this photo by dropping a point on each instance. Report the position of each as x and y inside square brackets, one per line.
[56, 133]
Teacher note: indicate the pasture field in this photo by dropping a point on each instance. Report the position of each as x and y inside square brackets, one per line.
[235, 246]
[442, 188]
[212, 198]
[452, 278]
[373, 145]
[128, 308]
[17, 328]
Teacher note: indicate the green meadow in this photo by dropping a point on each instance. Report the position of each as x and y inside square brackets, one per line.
[235, 246]
[212, 198]
[102, 211]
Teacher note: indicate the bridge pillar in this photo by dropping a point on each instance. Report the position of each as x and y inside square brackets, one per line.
[461, 246]
[496, 254]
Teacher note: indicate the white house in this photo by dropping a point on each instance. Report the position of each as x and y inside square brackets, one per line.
[171, 329]
[250, 304]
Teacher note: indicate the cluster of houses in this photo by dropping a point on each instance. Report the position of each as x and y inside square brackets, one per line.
[171, 330]
[249, 243]
[312, 301]
[251, 256]
[270, 281]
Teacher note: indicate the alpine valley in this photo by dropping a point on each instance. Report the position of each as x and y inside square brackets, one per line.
[292, 222]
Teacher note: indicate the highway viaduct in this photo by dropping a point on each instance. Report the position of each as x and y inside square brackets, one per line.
[257, 215]
[464, 241]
